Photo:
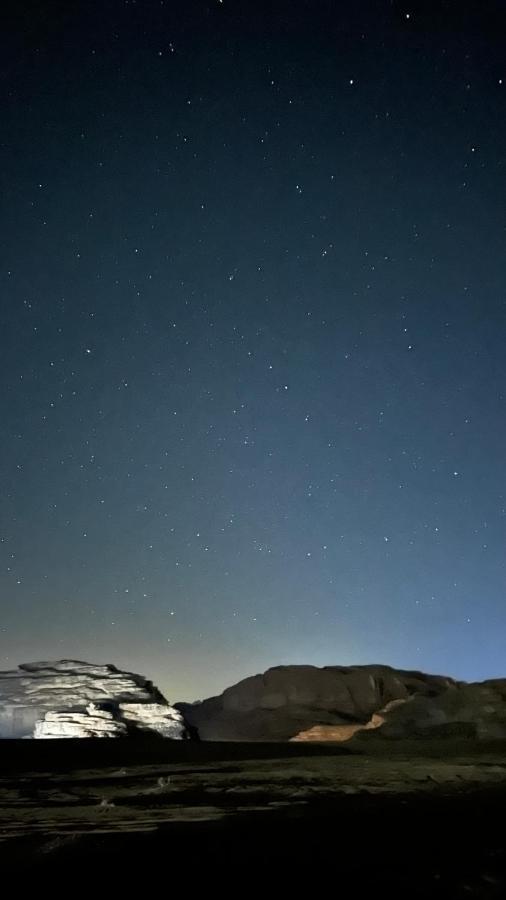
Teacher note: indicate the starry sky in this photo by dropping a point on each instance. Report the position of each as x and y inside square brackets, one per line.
[253, 336]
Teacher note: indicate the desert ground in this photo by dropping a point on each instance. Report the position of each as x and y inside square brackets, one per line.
[424, 820]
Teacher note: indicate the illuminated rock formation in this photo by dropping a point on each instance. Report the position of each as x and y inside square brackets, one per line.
[77, 699]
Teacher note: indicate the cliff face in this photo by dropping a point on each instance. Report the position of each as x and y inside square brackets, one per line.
[288, 701]
[475, 710]
[69, 698]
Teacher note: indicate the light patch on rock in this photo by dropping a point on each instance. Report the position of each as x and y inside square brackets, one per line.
[163, 719]
[93, 722]
[340, 733]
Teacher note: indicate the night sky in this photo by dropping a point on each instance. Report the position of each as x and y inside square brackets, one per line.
[253, 336]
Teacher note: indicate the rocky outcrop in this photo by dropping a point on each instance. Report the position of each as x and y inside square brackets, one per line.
[159, 717]
[92, 722]
[286, 701]
[70, 698]
[471, 710]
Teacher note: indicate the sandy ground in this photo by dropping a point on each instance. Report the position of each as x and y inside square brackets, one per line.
[425, 825]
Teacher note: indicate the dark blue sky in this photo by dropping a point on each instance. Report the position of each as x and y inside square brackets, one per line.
[253, 331]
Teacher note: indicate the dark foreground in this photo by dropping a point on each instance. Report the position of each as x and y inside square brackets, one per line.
[225, 818]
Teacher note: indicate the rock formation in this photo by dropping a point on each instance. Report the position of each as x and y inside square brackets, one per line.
[91, 722]
[76, 699]
[286, 701]
[475, 710]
